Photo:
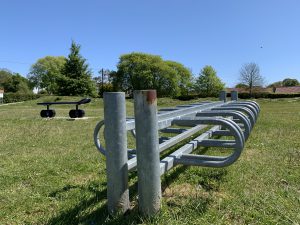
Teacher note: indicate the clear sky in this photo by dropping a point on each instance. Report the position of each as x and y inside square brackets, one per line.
[223, 34]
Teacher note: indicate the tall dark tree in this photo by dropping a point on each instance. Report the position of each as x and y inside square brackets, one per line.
[76, 79]
[250, 76]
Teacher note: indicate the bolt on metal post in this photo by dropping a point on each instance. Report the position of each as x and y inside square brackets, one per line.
[222, 96]
[116, 152]
[234, 95]
[148, 162]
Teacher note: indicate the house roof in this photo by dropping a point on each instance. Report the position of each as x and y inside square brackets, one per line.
[294, 89]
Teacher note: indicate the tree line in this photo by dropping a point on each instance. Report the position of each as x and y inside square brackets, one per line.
[71, 75]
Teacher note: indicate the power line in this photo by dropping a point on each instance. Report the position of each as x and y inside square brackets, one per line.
[15, 62]
[27, 63]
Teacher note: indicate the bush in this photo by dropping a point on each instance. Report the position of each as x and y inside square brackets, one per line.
[107, 87]
[186, 97]
[16, 97]
[194, 96]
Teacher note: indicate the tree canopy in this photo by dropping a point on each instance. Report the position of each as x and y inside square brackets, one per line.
[288, 82]
[45, 73]
[183, 76]
[76, 79]
[275, 84]
[14, 82]
[138, 71]
[240, 85]
[208, 83]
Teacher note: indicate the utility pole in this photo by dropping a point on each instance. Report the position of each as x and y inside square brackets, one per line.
[102, 89]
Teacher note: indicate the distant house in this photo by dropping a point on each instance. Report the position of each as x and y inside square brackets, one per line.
[287, 90]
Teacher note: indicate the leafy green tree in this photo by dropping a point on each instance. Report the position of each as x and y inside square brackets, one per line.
[45, 73]
[138, 71]
[5, 78]
[76, 79]
[208, 83]
[14, 82]
[183, 76]
[288, 82]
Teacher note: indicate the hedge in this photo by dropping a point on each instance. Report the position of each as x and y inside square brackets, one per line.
[16, 97]
[267, 95]
[243, 96]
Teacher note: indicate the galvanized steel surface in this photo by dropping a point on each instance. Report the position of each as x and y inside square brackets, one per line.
[223, 118]
[149, 184]
[244, 113]
[116, 152]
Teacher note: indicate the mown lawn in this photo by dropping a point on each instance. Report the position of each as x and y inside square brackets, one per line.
[51, 172]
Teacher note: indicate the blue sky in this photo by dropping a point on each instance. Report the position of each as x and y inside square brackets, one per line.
[223, 34]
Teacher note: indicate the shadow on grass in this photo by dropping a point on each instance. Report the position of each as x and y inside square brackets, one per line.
[87, 210]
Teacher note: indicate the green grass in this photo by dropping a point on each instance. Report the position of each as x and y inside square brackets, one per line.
[51, 172]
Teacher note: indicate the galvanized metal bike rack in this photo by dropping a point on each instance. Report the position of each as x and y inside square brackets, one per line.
[222, 118]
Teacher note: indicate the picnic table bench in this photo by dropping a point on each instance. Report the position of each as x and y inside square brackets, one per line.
[74, 113]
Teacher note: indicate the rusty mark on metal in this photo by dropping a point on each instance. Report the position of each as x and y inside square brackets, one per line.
[151, 96]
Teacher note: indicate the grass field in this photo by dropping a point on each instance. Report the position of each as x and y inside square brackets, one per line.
[51, 172]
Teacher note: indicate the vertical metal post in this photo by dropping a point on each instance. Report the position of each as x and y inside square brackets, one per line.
[116, 152]
[148, 162]
[222, 96]
[234, 95]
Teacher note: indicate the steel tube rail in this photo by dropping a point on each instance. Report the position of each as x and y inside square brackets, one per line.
[235, 114]
[252, 108]
[253, 102]
[234, 119]
[149, 184]
[245, 110]
[164, 119]
[182, 156]
[212, 121]
[132, 163]
[247, 104]
[213, 161]
[168, 116]
[169, 162]
[116, 152]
